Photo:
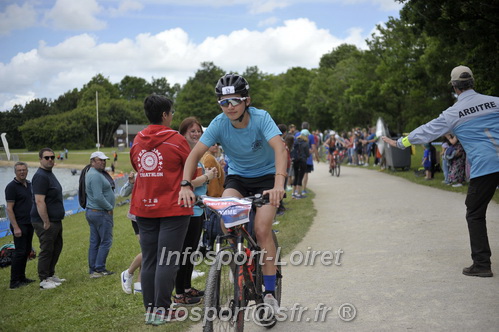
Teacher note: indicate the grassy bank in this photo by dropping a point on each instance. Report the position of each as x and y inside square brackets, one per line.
[76, 159]
[84, 304]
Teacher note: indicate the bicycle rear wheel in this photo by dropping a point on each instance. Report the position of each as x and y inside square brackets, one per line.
[221, 307]
[278, 281]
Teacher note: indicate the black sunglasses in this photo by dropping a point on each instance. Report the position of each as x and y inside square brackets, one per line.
[49, 157]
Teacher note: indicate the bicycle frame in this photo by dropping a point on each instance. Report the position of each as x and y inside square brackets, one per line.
[248, 278]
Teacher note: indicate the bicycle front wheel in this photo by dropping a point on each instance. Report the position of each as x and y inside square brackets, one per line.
[221, 309]
[337, 169]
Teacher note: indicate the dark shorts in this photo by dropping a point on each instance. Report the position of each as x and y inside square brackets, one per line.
[310, 168]
[249, 186]
[135, 227]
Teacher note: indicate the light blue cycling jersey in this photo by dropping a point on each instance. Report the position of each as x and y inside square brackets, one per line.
[474, 120]
[248, 148]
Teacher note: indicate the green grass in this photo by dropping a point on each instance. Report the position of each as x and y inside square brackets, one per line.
[81, 158]
[84, 304]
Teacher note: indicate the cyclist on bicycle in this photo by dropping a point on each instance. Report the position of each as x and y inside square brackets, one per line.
[330, 144]
[258, 160]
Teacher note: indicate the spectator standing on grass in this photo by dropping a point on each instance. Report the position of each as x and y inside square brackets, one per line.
[99, 214]
[19, 204]
[46, 215]
[216, 186]
[444, 161]
[427, 161]
[192, 130]
[158, 156]
[457, 162]
[127, 275]
[474, 119]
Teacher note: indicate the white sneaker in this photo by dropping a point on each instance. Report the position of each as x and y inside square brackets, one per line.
[272, 305]
[126, 281]
[56, 279]
[137, 288]
[196, 274]
[48, 284]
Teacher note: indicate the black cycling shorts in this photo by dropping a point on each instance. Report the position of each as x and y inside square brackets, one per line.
[249, 186]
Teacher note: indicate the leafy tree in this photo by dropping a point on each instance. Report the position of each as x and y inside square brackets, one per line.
[134, 88]
[9, 124]
[260, 88]
[342, 52]
[161, 86]
[101, 84]
[289, 96]
[66, 102]
[36, 108]
[70, 129]
[197, 97]
[466, 29]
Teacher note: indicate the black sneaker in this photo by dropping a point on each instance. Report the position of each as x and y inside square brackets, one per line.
[28, 281]
[474, 271]
[185, 299]
[17, 284]
[193, 292]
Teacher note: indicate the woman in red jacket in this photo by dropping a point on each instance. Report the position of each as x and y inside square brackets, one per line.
[158, 155]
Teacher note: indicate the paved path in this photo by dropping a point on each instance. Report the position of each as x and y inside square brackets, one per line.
[404, 246]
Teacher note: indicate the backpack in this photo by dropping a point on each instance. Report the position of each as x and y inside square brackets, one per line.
[7, 251]
[82, 194]
[299, 152]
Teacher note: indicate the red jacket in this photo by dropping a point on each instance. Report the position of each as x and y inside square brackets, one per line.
[158, 155]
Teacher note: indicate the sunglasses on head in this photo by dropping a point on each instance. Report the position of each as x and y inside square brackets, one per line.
[49, 157]
[234, 101]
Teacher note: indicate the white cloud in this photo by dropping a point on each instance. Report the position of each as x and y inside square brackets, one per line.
[17, 17]
[266, 6]
[49, 71]
[75, 15]
[17, 100]
[386, 5]
[268, 21]
[126, 6]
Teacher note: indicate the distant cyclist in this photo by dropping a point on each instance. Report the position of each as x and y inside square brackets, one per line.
[258, 160]
[330, 144]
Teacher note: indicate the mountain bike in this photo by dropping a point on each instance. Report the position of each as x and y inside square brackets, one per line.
[335, 164]
[235, 281]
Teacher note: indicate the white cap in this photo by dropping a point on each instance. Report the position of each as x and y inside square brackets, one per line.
[98, 154]
[461, 73]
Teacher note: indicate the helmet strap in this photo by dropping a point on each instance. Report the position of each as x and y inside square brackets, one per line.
[240, 119]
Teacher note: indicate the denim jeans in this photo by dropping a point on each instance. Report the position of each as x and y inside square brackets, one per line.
[101, 239]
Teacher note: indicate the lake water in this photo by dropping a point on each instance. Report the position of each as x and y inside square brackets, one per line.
[68, 181]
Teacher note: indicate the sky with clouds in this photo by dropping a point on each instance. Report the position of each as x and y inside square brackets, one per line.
[48, 47]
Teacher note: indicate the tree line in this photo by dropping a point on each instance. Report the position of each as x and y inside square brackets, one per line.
[401, 77]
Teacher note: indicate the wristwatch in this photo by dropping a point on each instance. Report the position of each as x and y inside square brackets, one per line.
[185, 183]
